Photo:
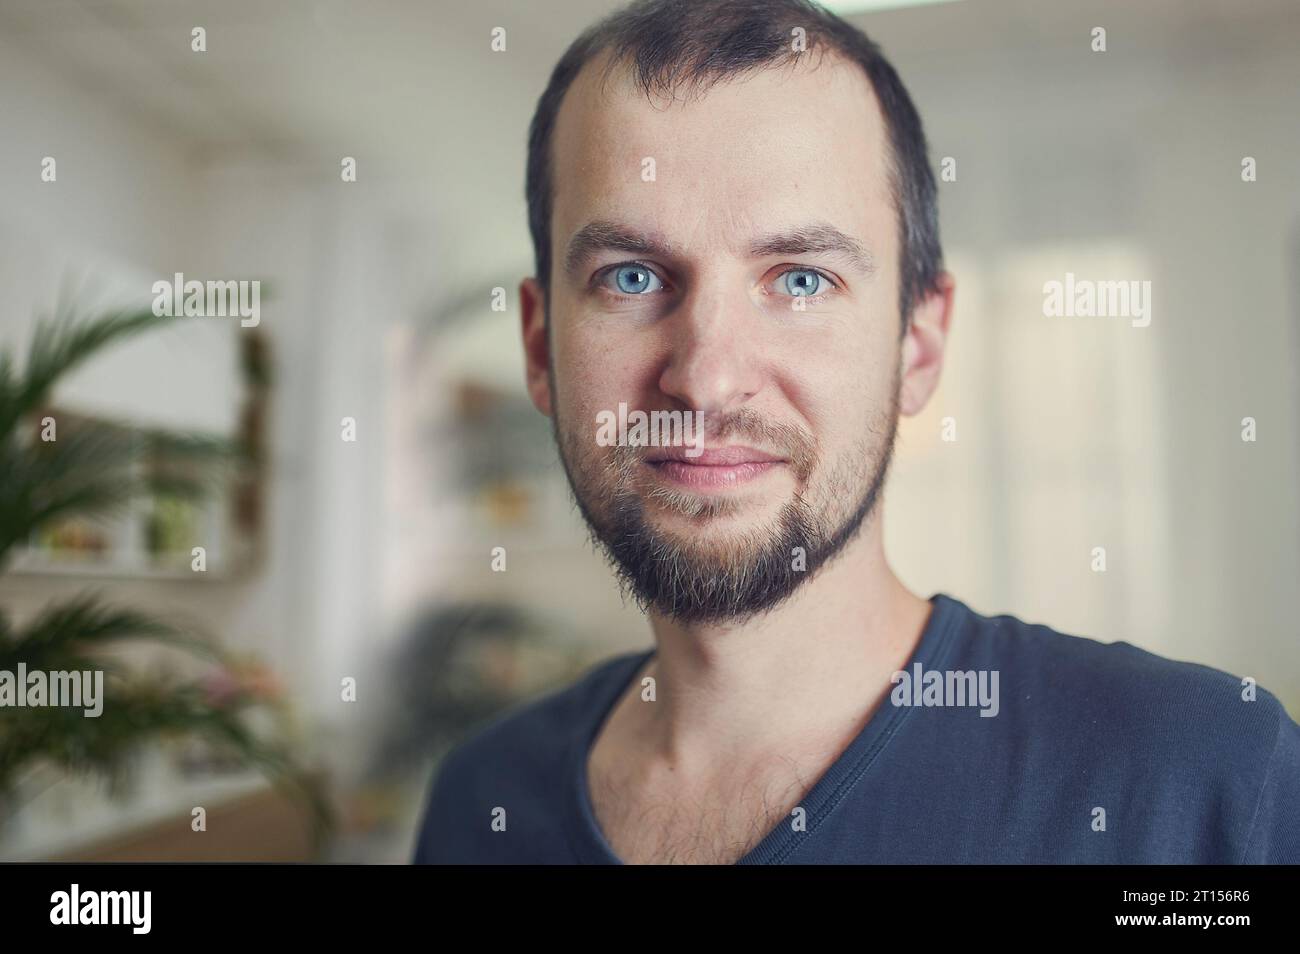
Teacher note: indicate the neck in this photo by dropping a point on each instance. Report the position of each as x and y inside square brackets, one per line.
[810, 672]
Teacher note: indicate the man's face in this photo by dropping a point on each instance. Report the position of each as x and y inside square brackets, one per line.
[766, 190]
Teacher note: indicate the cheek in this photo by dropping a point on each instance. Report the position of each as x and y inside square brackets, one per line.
[595, 369]
[840, 381]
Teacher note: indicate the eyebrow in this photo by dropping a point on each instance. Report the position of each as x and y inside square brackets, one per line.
[818, 238]
[601, 236]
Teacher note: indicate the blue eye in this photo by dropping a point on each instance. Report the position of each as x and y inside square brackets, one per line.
[804, 282]
[636, 280]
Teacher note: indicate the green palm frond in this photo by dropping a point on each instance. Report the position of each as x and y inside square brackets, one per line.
[90, 470]
[139, 710]
[58, 346]
[84, 623]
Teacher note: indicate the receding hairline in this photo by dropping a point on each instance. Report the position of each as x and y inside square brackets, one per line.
[608, 66]
[610, 63]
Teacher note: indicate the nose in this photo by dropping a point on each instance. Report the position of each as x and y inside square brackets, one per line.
[713, 364]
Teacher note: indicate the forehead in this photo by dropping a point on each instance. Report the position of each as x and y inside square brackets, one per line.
[783, 145]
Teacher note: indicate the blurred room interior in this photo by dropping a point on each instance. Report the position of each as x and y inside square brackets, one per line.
[371, 559]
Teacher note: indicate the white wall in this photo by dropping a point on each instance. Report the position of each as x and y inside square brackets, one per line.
[1061, 148]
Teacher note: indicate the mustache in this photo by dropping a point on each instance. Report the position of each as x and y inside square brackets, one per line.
[744, 425]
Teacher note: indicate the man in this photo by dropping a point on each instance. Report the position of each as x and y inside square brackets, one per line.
[734, 218]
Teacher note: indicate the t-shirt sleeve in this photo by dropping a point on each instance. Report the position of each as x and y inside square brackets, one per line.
[424, 844]
[432, 840]
[1275, 831]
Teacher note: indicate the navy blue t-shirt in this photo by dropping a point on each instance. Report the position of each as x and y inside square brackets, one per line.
[1088, 753]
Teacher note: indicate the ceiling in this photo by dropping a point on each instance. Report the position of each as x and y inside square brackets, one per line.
[415, 81]
[412, 89]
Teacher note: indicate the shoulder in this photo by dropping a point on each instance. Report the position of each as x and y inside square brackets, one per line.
[1180, 738]
[1118, 683]
[515, 760]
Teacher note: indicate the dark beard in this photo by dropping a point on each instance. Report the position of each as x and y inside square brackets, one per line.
[669, 578]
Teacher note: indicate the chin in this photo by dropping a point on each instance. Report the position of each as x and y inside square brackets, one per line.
[717, 512]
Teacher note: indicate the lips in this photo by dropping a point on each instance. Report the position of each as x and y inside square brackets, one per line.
[716, 468]
[712, 456]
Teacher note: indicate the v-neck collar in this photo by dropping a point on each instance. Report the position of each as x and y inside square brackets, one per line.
[584, 831]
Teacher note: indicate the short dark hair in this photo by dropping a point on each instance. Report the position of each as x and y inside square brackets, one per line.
[697, 43]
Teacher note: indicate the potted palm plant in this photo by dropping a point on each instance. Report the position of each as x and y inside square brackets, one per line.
[90, 471]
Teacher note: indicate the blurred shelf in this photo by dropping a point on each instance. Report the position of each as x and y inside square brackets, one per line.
[72, 814]
[262, 825]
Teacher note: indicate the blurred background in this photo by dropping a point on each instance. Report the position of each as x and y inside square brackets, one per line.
[353, 623]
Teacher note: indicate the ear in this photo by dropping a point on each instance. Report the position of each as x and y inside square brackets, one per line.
[923, 345]
[537, 345]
